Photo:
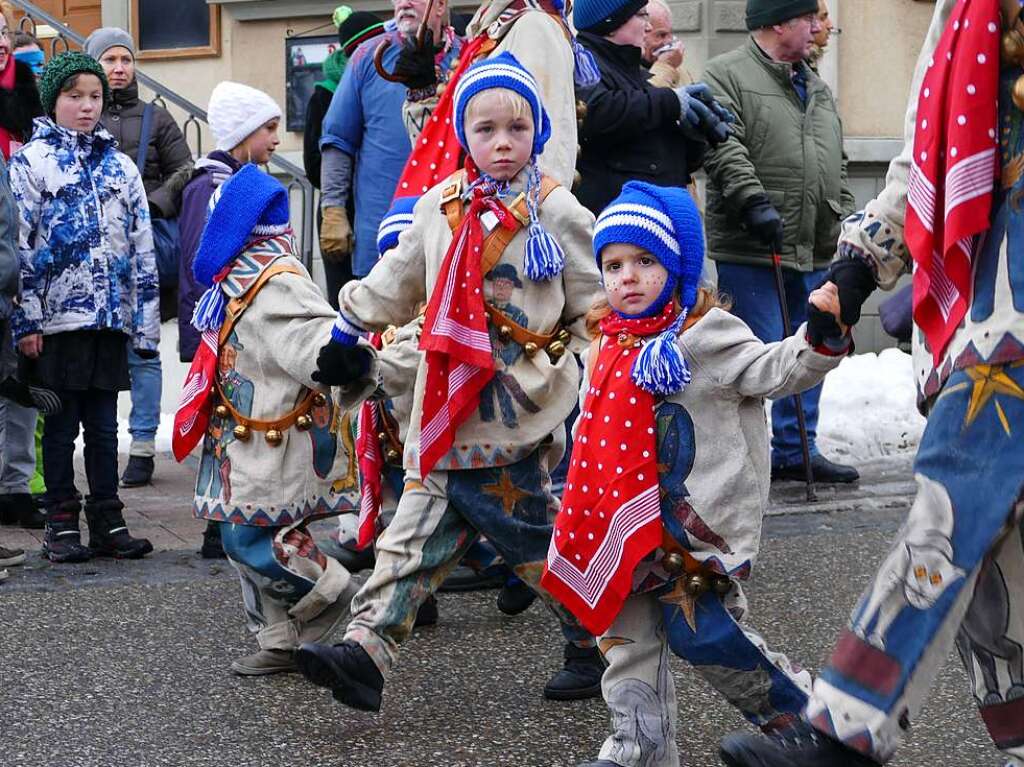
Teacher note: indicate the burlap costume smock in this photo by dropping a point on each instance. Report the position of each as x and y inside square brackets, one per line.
[264, 369]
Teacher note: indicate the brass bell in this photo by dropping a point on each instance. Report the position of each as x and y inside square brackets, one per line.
[581, 110]
[382, 436]
[1013, 47]
[221, 411]
[530, 348]
[563, 336]
[303, 423]
[1018, 93]
[319, 399]
[556, 349]
[392, 455]
[241, 432]
[721, 585]
[505, 334]
[273, 437]
[697, 584]
[673, 563]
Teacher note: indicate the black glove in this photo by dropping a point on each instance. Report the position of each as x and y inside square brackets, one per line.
[764, 222]
[415, 64]
[821, 325]
[147, 354]
[339, 364]
[856, 282]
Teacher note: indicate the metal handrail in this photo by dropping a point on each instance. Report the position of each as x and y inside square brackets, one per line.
[195, 115]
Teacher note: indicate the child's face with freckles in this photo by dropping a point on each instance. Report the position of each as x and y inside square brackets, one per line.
[633, 278]
[499, 132]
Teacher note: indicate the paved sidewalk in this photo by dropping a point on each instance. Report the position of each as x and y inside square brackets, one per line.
[162, 511]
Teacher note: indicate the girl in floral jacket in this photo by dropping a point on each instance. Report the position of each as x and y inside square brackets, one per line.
[88, 280]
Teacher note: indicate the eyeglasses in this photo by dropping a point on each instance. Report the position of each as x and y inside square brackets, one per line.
[5, 33]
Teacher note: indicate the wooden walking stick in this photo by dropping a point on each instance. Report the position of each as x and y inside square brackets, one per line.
[378, 55]
[801, 421]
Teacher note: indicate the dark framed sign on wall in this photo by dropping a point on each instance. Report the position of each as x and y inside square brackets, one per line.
[304, 57]
[166, 29]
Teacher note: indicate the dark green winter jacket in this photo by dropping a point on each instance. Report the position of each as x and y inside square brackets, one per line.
[791, 152]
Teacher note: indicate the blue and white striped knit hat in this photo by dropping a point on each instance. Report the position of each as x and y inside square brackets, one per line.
[502, 71]
[544, 258]
[396, 221]
[665, 222]
[250, 205]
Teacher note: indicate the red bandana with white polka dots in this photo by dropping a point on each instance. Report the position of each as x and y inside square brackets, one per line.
[610, 517]
[954, 167]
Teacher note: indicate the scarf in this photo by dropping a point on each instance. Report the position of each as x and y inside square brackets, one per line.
[954, 168]
[455, 338]
[611, 514]
[371, 469]
[333, 68]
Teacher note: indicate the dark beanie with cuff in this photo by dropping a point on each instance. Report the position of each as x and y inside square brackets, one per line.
[764, 13]
[602, 17]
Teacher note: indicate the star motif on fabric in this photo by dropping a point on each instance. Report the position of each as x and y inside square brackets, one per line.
[608, 643]
[682, 599]
[506, 490]
[988, 381]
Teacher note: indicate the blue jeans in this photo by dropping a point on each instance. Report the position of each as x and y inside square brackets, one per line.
[755, 300]
[147, 380]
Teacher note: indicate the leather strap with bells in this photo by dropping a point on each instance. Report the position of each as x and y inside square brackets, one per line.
[554, 343]
[388, 436]
[298, 416]
[699, 580]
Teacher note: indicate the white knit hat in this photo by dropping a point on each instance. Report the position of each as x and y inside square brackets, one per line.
[236, 111]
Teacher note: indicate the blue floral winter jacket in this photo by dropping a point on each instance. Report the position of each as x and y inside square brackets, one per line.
[84, 238]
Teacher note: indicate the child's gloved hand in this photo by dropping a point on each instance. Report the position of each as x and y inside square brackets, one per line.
[339, 364]
[855, 282]
[824, 315]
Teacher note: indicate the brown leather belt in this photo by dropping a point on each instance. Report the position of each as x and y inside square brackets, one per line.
[554, 343]
[274, 428]
[699, 579]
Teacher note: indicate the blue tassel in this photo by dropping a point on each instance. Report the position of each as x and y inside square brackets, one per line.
[660, 368]
[585, 70]
[544, 257]
[209, 311]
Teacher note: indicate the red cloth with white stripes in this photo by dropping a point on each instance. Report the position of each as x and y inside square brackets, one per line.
[611, 513]
[193, 414]
[371, 468]
[455, 336]
[954, 167]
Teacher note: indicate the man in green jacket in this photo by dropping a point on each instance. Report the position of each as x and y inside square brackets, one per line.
[778, 187]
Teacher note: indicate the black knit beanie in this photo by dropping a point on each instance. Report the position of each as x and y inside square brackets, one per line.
[764, 13]
[356, 28]
[602, 17]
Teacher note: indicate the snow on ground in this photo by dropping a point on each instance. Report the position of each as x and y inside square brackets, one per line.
[868, 408]
[868, 405]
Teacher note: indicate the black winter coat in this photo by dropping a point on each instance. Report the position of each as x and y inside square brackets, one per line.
[19, 106]
[316, 110]
[631, 129]
[168, 159]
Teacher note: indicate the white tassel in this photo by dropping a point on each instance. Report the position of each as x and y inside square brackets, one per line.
[209, 311]
[660, 368]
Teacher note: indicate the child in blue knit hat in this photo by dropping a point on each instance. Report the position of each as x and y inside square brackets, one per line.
[277, 450]
[470, 470]
[661, 516]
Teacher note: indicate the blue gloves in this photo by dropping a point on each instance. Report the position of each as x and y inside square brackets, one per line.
[702, 116]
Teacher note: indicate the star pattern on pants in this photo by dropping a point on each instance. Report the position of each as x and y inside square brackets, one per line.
[506, 490]
[986, 382]
[682, 599]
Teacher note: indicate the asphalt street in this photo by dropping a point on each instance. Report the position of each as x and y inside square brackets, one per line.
[115, 663]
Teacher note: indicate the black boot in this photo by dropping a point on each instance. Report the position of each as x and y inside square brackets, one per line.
[21, 509]
[580, 677]
[138, 472]
[212, 547]
[346, 670]
[515, 597]
[63, 542]
[822, 469]
[108, 533]
[797, 746]
[427, 614]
